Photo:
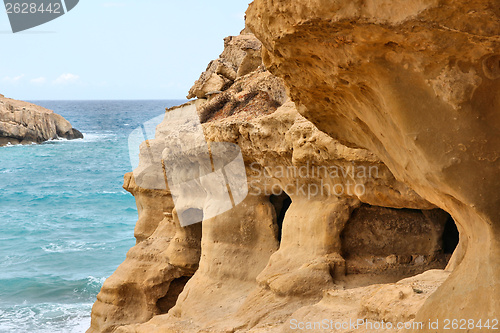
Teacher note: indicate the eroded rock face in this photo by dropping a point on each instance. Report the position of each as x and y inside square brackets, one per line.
[241, 56]
[391, 303]
[255, 270]
[165, 257]
[323, 222]
[418, 85]
[22, 122]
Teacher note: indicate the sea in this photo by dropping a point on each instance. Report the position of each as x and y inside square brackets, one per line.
[66, 223]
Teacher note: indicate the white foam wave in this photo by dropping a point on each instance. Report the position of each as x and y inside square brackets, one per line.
[96, 280]
[46, 318]
[71, 246]
[57, 139]
[10, 145]
[92, 137]
[87, 137]
[113, 192]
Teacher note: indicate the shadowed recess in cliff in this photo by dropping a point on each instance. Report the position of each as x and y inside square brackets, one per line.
[451, 236]
[281, 204]
[175, 288]
[400, 242]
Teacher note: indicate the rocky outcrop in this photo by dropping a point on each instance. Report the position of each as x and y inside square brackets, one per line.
[241, 56]
[274, 253]
[417, 84]
[325, 231]
[22, 122]
[164, 259]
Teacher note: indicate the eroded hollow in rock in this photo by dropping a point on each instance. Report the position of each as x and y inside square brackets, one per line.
[168, 301]
[451, 236]
[397, 243]
[281, 204]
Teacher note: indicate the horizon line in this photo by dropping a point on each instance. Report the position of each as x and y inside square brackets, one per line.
[113, 99]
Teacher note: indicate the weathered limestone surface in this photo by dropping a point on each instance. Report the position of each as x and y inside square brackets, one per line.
[241, 56]
[326, 232]
[22, 122]
[417, 83]
[390, 303]
[165, 257]
[253, 272]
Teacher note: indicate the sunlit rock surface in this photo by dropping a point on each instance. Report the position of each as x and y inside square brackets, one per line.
[417, 83]
[331, 228]
[22, 122]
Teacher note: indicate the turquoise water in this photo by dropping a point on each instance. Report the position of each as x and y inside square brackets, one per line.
[65, 221]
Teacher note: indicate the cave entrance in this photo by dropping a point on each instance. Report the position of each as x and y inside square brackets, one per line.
[397, 243]
[451, 236]
[174, 290]
[281, 204]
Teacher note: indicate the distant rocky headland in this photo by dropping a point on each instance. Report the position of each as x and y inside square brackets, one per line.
[25, 123]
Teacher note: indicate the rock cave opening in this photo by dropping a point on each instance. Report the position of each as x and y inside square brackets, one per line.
[168, 301]
[397, 243]
[281, 204]
[451, 236]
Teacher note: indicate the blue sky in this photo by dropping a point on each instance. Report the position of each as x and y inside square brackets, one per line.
[122, 49]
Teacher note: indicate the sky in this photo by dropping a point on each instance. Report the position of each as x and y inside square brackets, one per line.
[123, 49]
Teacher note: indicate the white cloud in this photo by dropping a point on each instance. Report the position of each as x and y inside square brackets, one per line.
[38, 80]
[66, 78]
[14, 79]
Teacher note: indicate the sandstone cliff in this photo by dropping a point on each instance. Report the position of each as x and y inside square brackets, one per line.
[417, 83]
[326, 231]
[22, 122]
